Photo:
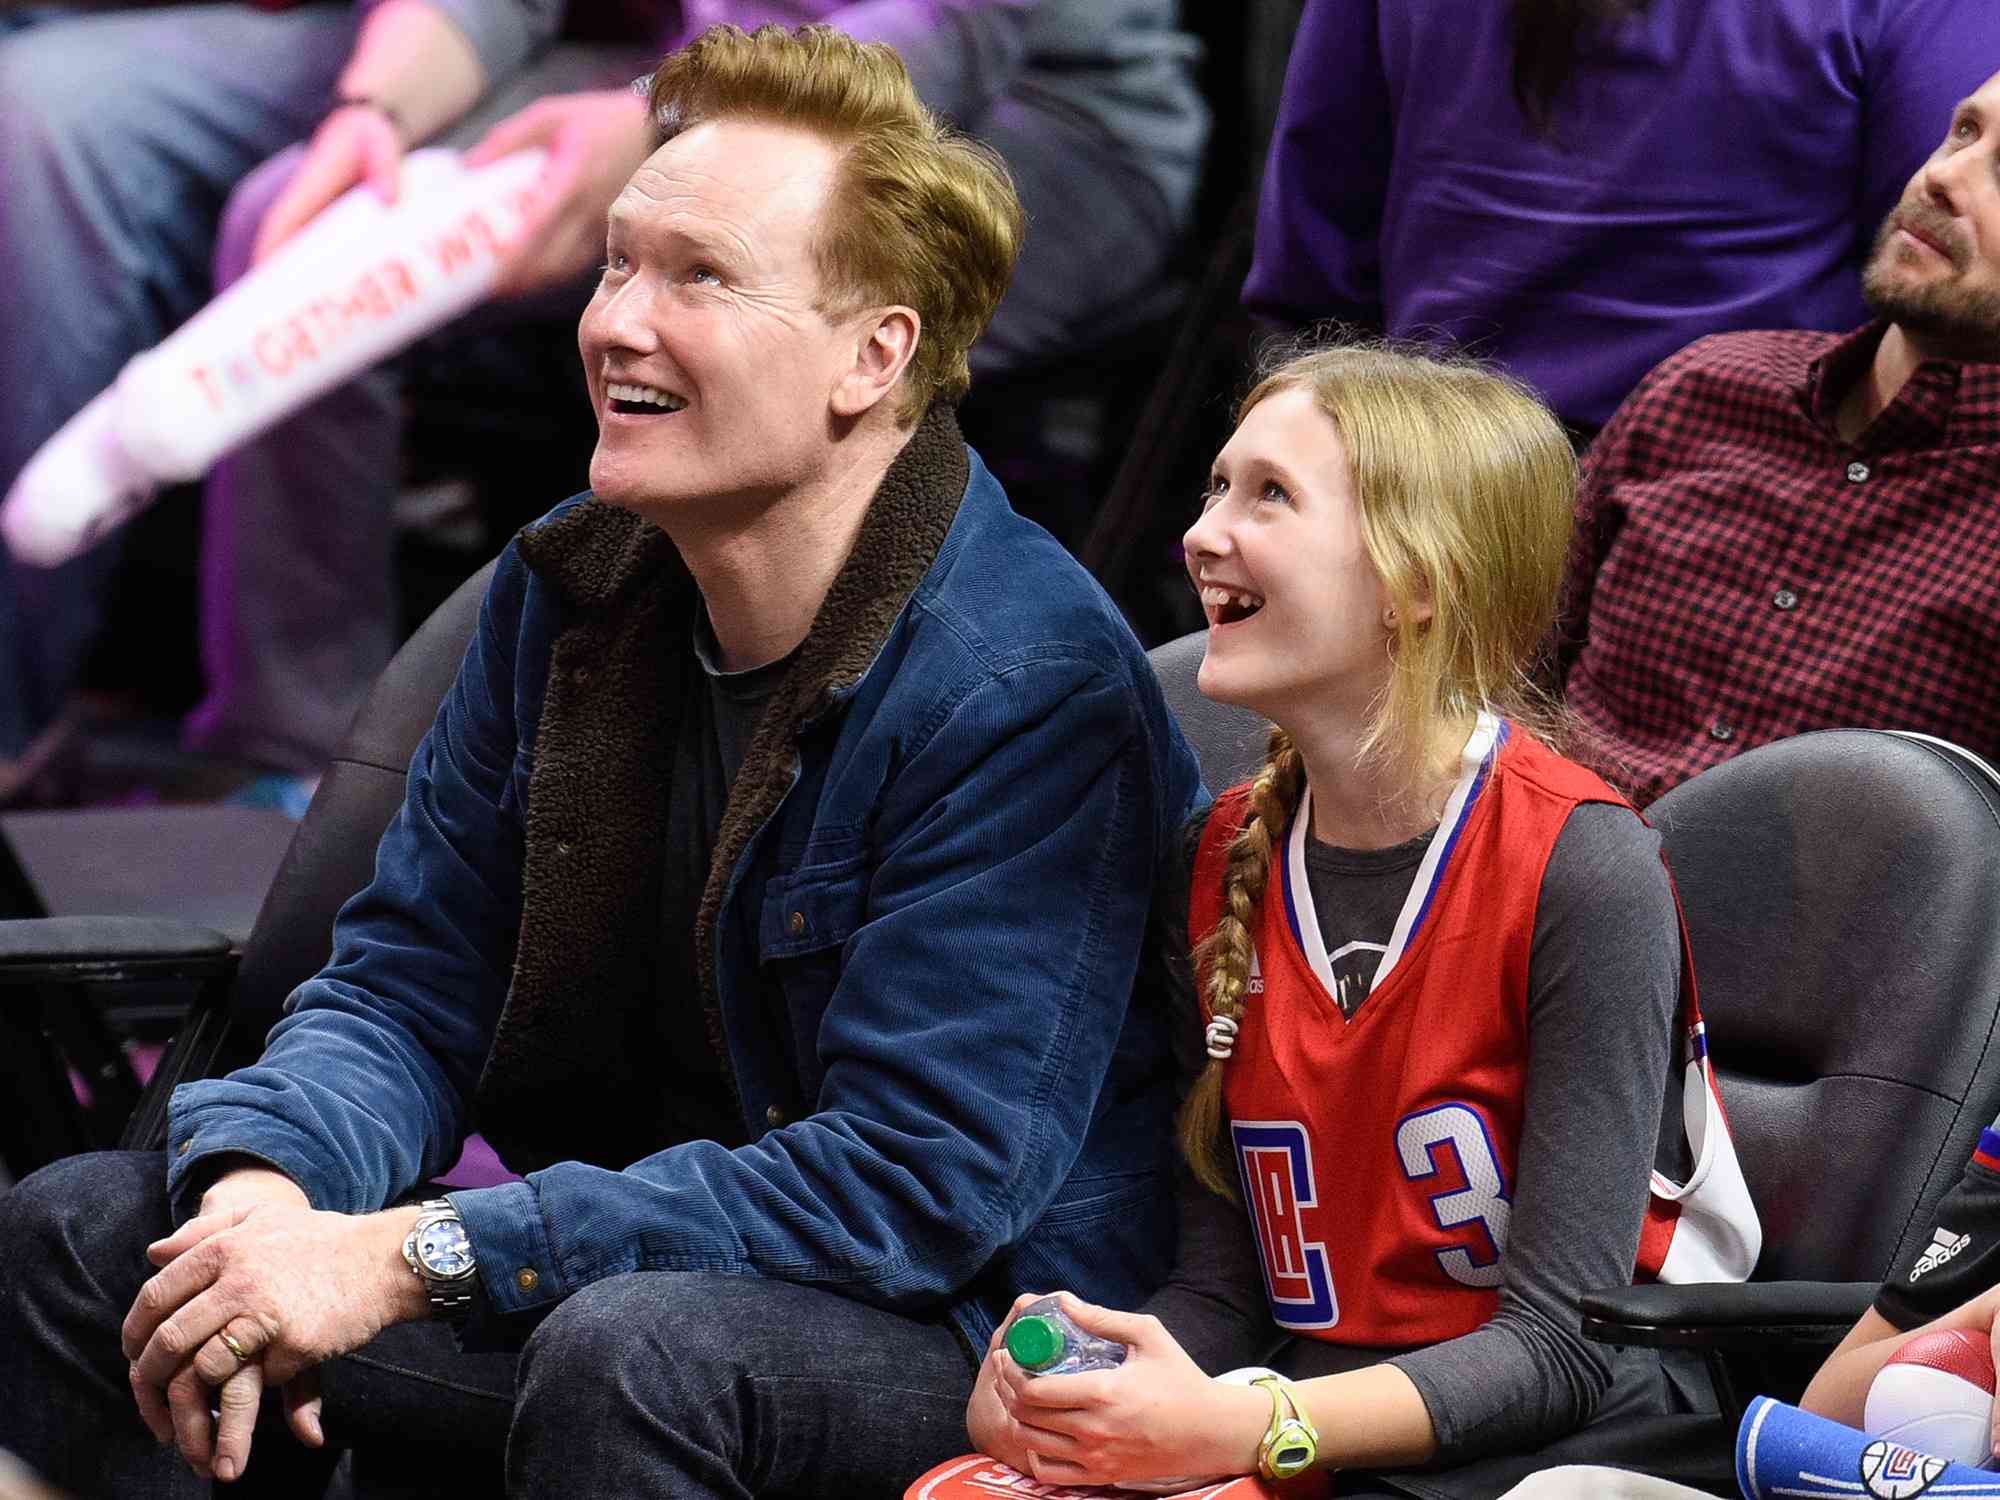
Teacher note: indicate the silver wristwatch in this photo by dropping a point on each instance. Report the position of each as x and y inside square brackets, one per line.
[439, 1252]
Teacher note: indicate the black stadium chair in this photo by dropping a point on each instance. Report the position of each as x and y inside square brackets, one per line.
[1841, 890]
[1229, 742]
[47, 964]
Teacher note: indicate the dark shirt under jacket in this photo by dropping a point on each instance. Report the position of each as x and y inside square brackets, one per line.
[1740, 573]
[722, 710]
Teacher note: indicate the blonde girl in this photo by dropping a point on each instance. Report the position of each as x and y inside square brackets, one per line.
[1438, 963]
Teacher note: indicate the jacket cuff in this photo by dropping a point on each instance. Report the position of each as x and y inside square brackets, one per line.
[199, 1130]
[517, 1262]
[187, 1179]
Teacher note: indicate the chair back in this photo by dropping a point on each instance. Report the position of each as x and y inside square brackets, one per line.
[333, 854]
[1841, 891]
[1228, 741]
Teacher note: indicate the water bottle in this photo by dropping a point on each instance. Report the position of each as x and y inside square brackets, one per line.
[1044, 1340]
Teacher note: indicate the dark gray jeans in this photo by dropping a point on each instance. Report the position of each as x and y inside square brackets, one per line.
[656, 1383]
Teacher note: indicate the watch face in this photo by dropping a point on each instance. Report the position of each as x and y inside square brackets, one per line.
[444, 1249]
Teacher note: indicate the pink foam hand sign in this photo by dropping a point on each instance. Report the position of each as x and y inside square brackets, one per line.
[364, 280]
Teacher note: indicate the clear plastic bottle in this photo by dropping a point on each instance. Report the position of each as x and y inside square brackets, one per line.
[1044, 1340]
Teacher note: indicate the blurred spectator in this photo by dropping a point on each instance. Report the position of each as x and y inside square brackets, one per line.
[1788, 531]
[122, 133]
[1578, 188]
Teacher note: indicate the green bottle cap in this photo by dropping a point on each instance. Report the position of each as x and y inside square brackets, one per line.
[1035, 1342]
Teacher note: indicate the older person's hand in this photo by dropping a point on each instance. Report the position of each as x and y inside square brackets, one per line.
[595, 141]
[258, 1289]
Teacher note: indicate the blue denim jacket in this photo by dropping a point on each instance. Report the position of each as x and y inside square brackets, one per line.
[951, 890]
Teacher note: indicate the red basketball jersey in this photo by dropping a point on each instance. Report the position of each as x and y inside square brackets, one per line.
[1378, 1153]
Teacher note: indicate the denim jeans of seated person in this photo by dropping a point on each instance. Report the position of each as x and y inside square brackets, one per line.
[654, 1383]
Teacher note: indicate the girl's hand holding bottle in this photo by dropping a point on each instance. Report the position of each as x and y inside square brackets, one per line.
[1156, 1414]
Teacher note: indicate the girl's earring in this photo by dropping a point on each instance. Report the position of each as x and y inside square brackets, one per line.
[1389, 618]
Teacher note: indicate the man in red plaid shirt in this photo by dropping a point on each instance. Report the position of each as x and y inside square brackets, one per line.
[1787, 531]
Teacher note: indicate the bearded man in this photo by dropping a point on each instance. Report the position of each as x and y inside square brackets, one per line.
[1784, 531]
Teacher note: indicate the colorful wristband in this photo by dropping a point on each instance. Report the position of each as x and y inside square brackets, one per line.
[1291, 1443]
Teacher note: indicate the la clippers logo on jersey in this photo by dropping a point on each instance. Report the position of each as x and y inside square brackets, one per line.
[1275, 1158]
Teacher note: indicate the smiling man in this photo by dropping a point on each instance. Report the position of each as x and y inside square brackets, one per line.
[770, 891]
[1789, 531]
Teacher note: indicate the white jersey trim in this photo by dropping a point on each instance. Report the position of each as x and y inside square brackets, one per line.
[1475, 764]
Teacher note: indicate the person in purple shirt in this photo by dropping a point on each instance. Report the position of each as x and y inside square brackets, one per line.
[1578, 188]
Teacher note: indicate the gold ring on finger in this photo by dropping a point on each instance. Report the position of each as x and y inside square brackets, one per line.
[242, 1354]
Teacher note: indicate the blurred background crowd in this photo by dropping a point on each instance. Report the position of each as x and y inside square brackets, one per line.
[1575, 189]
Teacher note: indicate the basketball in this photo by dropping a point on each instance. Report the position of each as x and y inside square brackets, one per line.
[1936, 1395]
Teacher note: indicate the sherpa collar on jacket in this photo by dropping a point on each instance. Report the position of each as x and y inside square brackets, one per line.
[581, 1062]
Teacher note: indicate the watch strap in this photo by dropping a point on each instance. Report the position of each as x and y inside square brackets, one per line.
[1291, 1442]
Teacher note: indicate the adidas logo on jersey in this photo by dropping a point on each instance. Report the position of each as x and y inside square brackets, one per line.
[1256, 984]
[1944, 1245]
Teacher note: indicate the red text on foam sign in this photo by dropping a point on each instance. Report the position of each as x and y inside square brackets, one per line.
[286, 346]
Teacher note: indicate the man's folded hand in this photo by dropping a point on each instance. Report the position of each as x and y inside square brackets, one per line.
[258, 1289]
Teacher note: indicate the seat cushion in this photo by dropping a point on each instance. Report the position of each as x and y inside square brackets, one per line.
[203, 865]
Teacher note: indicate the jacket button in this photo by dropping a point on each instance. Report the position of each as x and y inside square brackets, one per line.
[1857, 473]
[1785, 599]
[526, 1279]
[1720, 729]
[797, 924]
[563, 846]
[774, 1117]
[580, 676]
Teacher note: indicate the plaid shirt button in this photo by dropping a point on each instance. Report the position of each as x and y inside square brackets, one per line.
[1857, 473]
[1719, 729]
[1785, 599]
